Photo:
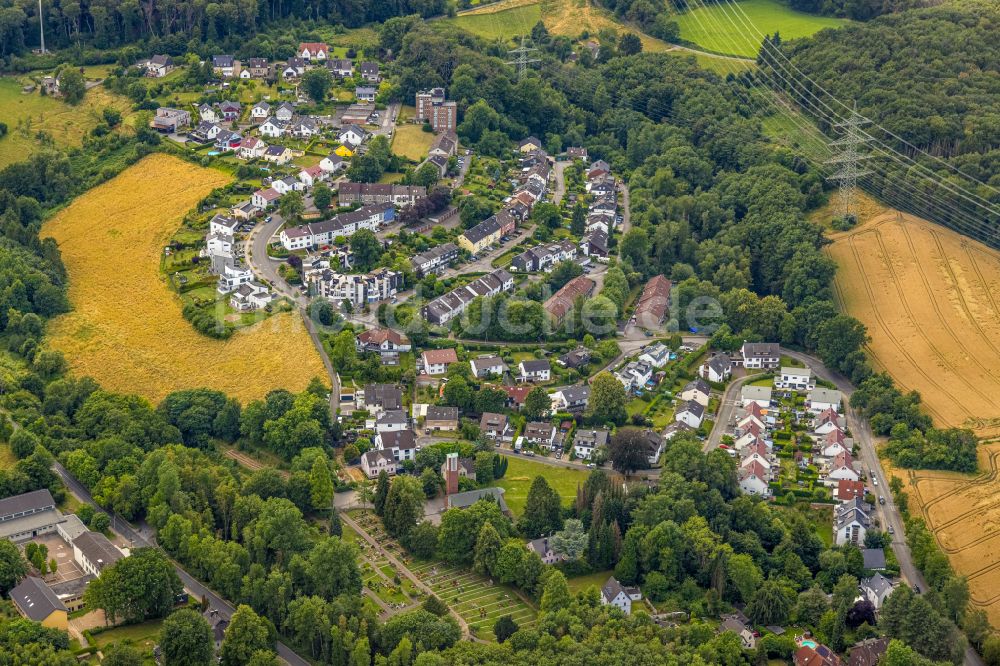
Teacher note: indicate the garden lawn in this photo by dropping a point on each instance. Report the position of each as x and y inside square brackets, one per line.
[142, 636]
[412, 142]
[126, 329]
[597, 579]
[522, 471]
[724, 29]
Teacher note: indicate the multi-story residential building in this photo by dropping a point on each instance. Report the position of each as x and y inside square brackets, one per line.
[347, 224]
[544, 257]
[379, 193]
[444, 308]
[435, 259]
[359, 290]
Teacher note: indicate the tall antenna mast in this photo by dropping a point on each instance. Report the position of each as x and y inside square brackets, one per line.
[41, 26]
[848, 159]
[520, 57]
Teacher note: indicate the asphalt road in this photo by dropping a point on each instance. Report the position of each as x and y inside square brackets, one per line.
[730, 402]
[143, 537]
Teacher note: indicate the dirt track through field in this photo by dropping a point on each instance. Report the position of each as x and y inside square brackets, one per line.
[926, 295]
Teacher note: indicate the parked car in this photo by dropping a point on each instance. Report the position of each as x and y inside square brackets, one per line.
[881, 499]
[890, 530]
[591, 466]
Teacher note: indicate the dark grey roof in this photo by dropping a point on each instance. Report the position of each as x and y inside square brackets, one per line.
[36, 500]
[591, 438]
[392, 416]
[435, 413]
[693, 407]
[389, 396]
[874, 558]
[398, 439]
[34, 598]
[699, 384]
[537, 365]
[612, 588]
[467, 499]
[576, 393]
[97, 549]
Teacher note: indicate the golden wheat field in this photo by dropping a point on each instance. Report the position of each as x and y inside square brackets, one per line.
[126, 328]
[963, 511]
[930, 300]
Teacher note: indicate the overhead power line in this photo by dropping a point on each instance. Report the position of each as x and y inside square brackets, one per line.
[848, 161]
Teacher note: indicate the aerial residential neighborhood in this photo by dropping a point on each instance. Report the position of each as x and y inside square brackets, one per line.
[499, 332]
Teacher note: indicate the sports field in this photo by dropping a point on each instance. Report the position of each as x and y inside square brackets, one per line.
[738, 28]
[964, 514]
[126, 328]
[929, 299]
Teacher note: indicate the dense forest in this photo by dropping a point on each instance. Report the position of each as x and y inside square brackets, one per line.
[113, 23]
[906, 74]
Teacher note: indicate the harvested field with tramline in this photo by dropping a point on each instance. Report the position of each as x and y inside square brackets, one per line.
[126, 329]
[928, 298]
[963, 512]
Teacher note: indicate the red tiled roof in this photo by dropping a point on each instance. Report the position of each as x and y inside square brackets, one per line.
[652, 305]
[436, 356]
[562, 301]
[376, 336]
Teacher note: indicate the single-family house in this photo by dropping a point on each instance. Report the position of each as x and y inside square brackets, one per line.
[586, 441]
[384, 341]
[370, 71]
[876, 589]
[815, 655]
[310, 176]
[758, 394]
[265, 198]
[487, 366]
[575, 359]
[851, 522]
[379, 397]
[738, 626]
[285, 111]
[847, 490]
[251, 148]
[224, 65]
[352, 135]
[250, 296]
[340, 67]
[365, 93]
[273, 128]
[541, 433]
[656, 354]
[760, 355]
[496, 427]
[794, 379]
[842, 468]
[159, 66]
[311, 51]
[754, 478]
[868, 652]
[277, 155]
[375, 462]
[230, 110]
[534, 370]
[400, 443]
[821, 399]
[391, 420]
[697, 390]
[436, 361]
[691, 413]
[332, 163]
[441, 418]
[615, 594]
[571, 398]
[543, 547]
[716, 369]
